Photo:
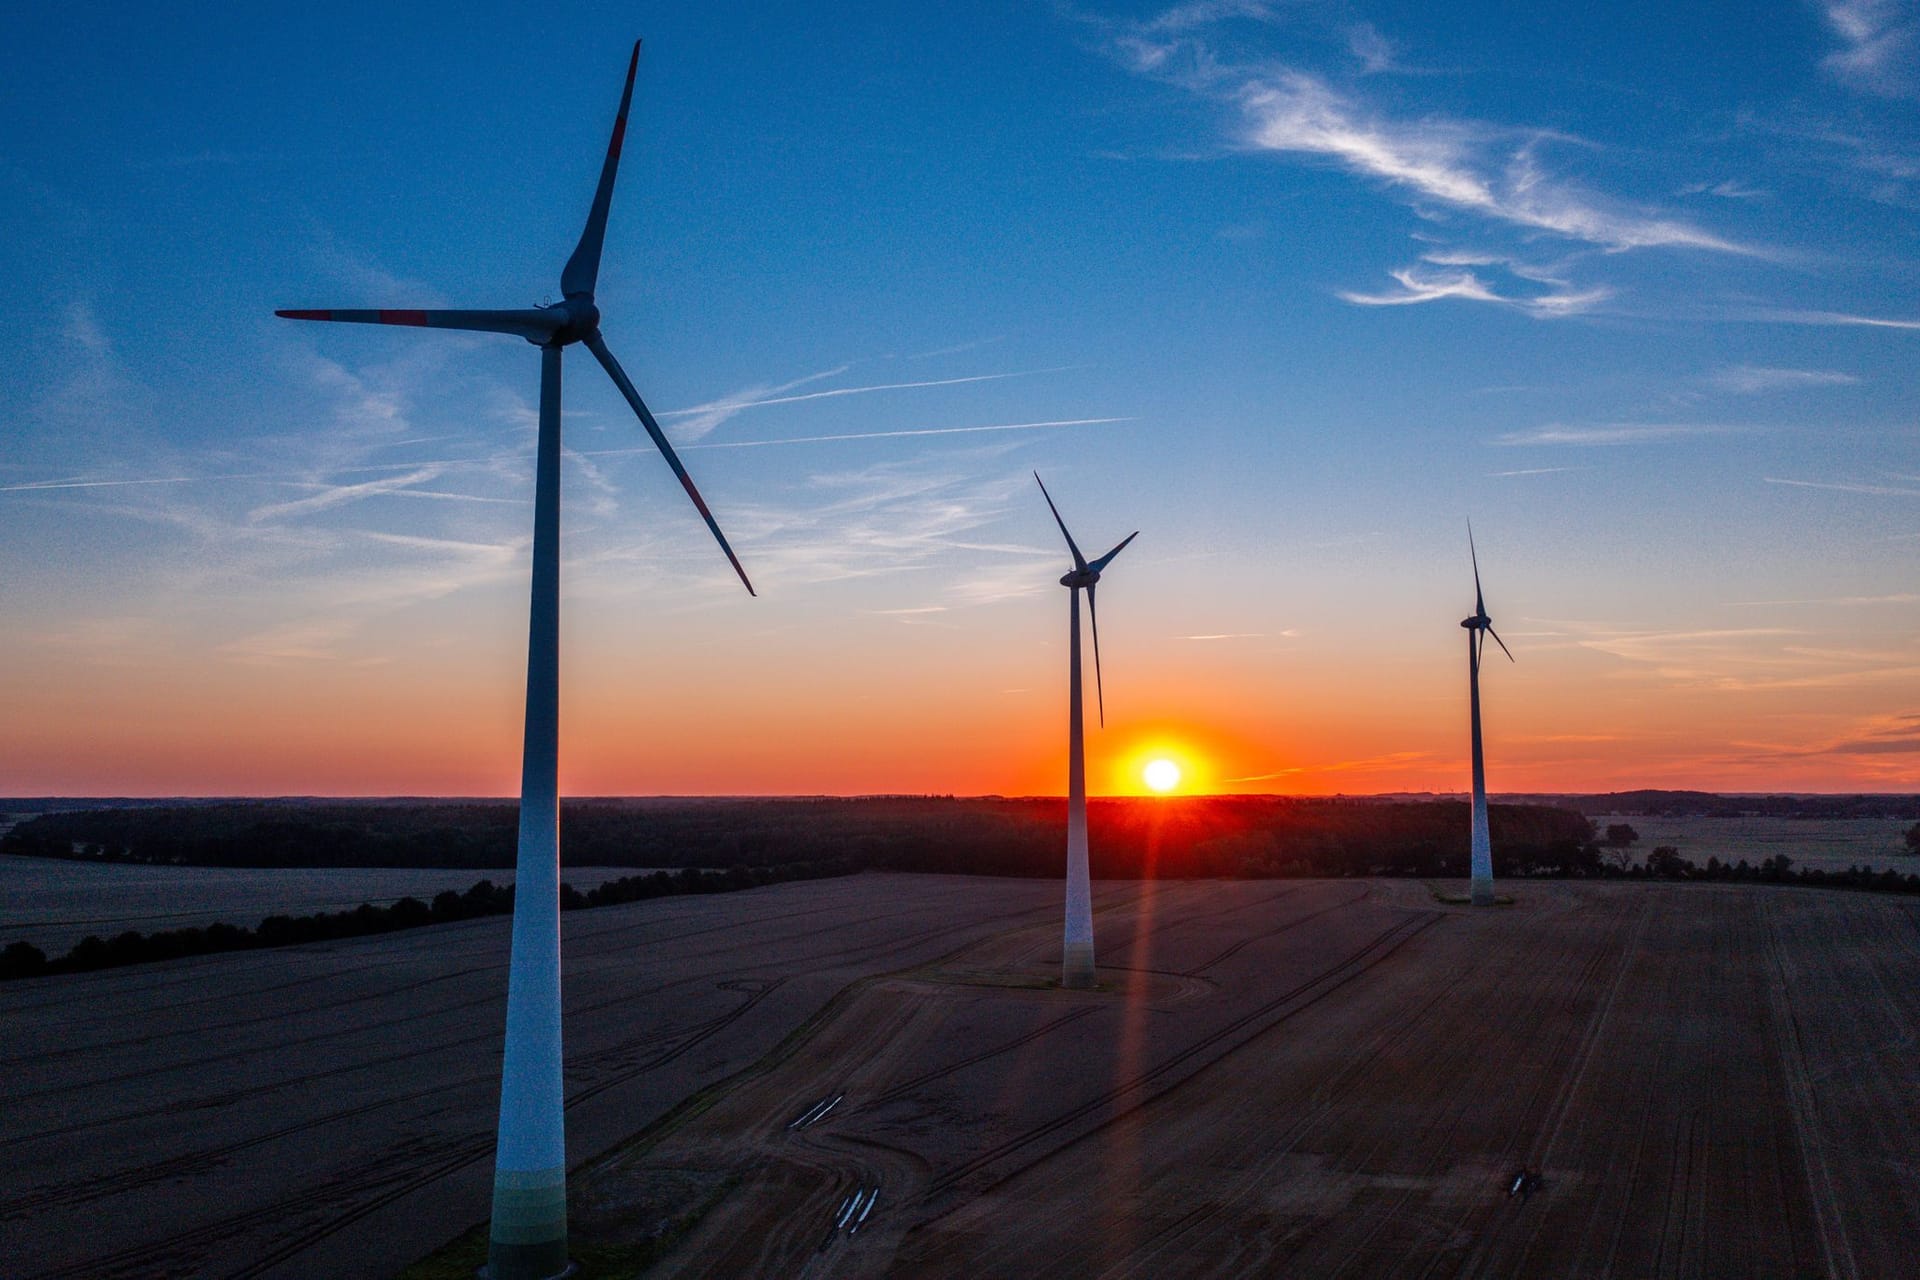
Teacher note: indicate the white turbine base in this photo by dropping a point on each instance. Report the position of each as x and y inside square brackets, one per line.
[528, 1236]
[1482, 893]
[1076, 967]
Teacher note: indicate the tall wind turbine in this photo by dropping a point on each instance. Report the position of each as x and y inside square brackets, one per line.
[1479, 626]
[1076, 957]
[529, 1232]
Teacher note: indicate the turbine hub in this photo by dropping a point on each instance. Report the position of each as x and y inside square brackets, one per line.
[579, 319]
[1079, 578]
[1477, 622]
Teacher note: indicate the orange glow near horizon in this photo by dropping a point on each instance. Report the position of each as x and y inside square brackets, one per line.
[871, 722]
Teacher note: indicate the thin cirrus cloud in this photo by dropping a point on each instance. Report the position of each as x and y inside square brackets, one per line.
[1879, 46]
[890, 435]
[1497, 174]
[405, 485]
[1842, 318]
[1614, 434]
[703, 418]
[1837, 486]
[1422, 284]
[1446, 161]
[1747, 379]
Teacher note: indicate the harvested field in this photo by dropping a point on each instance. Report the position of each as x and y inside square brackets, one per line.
[1277, 1078]
[53, 902]
[1832, 844]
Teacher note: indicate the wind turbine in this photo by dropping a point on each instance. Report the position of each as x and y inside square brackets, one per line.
[1076, 957]
[529, 1230]
[1479, 626]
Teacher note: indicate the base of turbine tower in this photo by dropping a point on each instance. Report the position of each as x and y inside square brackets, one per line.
[1076, 968]
[1482, 893]
[488, 1273]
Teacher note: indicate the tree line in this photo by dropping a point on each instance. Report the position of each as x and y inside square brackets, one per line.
[24, 960]
[1131, 838]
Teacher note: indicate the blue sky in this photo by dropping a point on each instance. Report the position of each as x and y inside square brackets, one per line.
[1293, 288]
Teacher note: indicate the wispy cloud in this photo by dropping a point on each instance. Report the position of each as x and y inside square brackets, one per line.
[1508, 179]
[1427, 284]
[889, 435]
[712, 415]
[1879, 46]
[1446, 161]
[1844, 486]
[1366, 764]
[1237, 635]
[335, 495]
[702, 419]
[1614, 434]
[1375, 51]
[1531, 471]
[1726, 190]
[900, 517]
[1905, 597]
[1882, 735]
[309, 640]
[1747, 379]
[1788, 316]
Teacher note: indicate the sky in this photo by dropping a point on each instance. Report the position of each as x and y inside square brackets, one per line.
[1294, 289]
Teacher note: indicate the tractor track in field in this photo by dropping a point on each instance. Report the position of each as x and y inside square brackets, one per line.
[388, 1177]
[1374, 952]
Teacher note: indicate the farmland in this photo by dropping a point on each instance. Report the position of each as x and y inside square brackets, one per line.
[1276, 1077]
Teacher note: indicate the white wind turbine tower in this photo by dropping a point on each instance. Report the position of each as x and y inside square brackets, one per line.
[1076, 958]
[528, 1238]
[1479, 626]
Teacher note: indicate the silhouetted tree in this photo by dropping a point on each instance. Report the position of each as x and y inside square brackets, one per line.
[1620, 835]
[1666, 863]
[1913, 838]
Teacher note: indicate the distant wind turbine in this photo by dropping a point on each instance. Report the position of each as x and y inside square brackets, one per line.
[1479, 626]
[529, 1231]
[1076, 959]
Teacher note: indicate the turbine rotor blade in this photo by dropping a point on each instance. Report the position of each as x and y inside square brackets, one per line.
[1479, 604]
[1502, 643]
[582, 271]
[1079, 561]
[1107, 559]
[1099, 691]
[599, 348]
[532, 323]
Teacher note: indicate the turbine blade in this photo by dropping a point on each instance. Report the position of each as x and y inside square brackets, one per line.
[1107, 559]
[1502, 643]
[1079, 561]
[1099, 692]
[531, 323]
[599, 348]
[582, 271]
[1479, 604]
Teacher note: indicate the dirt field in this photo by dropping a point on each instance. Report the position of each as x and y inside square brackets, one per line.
[1278, 1078]
[53, 903]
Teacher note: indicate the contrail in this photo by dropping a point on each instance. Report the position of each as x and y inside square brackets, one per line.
[888, 435]
[108, 484]
[854, 391]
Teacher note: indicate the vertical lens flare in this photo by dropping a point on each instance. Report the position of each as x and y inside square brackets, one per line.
[1161, 775]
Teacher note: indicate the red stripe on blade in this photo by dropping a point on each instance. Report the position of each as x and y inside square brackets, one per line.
[305, 315]
[695, 495]
[403, 317]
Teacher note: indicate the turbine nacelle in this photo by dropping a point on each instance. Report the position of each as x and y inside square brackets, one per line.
[576, 320]
[1078, 578]
[1478, 622]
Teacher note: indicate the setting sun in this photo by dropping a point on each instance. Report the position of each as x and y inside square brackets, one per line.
[1161, 775]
